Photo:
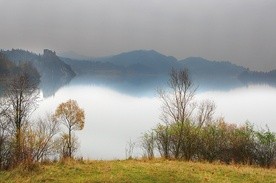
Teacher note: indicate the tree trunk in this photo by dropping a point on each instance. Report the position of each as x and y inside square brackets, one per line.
[70, 143]
[18, 146]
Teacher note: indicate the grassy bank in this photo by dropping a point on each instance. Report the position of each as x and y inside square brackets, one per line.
[139, 171]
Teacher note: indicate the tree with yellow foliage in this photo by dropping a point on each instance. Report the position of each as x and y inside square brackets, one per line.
[72, 117]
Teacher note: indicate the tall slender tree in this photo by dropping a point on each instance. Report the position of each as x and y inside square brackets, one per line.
[178, 104]
[21, 97]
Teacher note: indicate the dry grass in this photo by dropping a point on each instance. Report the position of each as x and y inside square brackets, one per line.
[139, 171]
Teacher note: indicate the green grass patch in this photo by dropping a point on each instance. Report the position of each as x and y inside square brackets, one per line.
[139, 171]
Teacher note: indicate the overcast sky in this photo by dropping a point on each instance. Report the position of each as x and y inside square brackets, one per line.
[240, 31]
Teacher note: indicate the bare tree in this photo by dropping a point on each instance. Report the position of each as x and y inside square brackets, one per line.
[130, 145]
[206, 110]
[41, 136]
[21, 97]
[178, 103]
[72, 117]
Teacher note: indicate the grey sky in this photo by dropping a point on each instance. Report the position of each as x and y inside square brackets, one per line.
[241, 31]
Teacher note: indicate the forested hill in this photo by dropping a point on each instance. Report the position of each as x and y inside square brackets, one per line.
[53, 71]
[9, 69]
[48, 64]
[6, 66]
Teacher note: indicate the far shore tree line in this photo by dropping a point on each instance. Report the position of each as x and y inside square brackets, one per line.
[191, 132]
[26, 142]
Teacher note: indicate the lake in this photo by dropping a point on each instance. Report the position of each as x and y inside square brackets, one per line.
[113, 116]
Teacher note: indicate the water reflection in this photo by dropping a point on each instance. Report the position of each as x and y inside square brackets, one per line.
[137, 85]
[50, 85]
[254, 103]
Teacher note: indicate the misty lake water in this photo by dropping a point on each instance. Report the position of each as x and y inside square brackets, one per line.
[114, 117]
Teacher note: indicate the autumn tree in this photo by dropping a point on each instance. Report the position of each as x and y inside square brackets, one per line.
[72, 117]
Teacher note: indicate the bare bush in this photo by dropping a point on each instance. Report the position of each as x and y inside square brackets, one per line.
[61, 146]
[40, 138]
[148, 144]
[130, 145]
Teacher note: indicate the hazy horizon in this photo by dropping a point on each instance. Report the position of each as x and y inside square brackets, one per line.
[242, 32]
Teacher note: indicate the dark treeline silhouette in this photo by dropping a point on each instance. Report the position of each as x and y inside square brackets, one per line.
[255, 77]
[190, 131]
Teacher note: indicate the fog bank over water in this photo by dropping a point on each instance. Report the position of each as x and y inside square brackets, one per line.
[256, 104]
[113, 118]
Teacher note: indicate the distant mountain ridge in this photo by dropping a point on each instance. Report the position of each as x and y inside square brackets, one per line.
[200, 67]
[147, 59]
[139, 66]
[154, 64]
[73, 55]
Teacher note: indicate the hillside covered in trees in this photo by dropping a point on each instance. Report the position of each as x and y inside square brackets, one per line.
[9, 69]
